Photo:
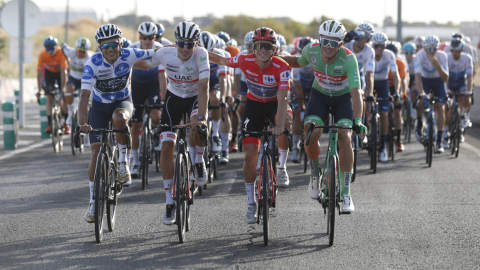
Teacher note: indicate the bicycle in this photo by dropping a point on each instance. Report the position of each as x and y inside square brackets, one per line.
[81, 148]
[57, 118]
[455, 127]
[147, 144]
[429, 127]
[392, 129]
[407, 117]
[267, 185]
[330, 197]
[106, 186]
[373, 132]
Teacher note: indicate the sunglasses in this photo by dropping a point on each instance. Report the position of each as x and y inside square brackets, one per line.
[361, 34]
[112, 45]
[266, 46]
[50, 48]
[408, 52]
[430, 49]
[377, 46]
[329, 42]
[148, 37]
[183, 44]
[81, 51]
[456, 51]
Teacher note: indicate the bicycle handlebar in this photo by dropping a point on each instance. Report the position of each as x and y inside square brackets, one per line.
[268, 133]
[125, 130]
[312, 127]
[202, 130]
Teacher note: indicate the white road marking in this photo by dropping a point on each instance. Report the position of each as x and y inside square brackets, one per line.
[19, 151]
[227, 181]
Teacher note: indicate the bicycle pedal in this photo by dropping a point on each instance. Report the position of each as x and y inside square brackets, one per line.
[190, 202]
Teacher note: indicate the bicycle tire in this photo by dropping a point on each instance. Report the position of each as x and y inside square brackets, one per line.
[408, 122]
[391, 133]
[305, 162]
[112, 191]
[144, 158]
[215, 166]
[99, 188]
[157, 160]
[430, 142]
[274, 156]
[354, 144]
[266, 197]
[72, 134]
[374, 150]
[54, 127]
[332, 177]
[458, 136]
[60, 129]
[181, 173]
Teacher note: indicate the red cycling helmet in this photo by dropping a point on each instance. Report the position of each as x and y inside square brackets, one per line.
[266, 34]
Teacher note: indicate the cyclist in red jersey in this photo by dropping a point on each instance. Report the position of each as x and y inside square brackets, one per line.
[268, 85]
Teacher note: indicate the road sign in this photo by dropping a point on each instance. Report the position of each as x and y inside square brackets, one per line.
[10, 18]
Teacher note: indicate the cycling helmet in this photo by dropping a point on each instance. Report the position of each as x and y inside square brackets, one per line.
[265, 34]
[304, 42]
[232, 42]
[431, 41]
[147, 29]
[221, 44]
[457, 44]
[224, 35]
[50, 41]
[282, 40]
[296, 41]
[187, 30]
[392, 47]
[409, 47]
[207, 40]
[160, 29]
[380, 38]
[333, 29]
[107, 31]
[418, 40]
[248, 38]
[83, 44]
[457, 35]
[125, 42]
[367, 28]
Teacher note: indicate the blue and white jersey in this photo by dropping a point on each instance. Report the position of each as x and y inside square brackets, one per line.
[111, 82]
[76, 64]
[365, 58]
[468, 49]
[426, 68]
[386, 63]
[146, 76]
[459, 69]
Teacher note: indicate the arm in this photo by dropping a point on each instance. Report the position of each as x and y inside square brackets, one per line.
[357, 101]
[299, 95]
[217, 59]
[63, 78]
[418, 83]
[441, 71]
[203, 96]
[142, 65]
[222, 81]
[281, 112]
[369, 81]
[469, 83]
[291, 60]
[162, 78]
[396, 83]
[237, 83]
[404, 84]
[83, 107]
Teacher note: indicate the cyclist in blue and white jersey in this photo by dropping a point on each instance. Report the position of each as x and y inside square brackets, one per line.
[409, 49]
[431, 71]
[159, 37]
[188, 71]
[467, 48]
[384, 62]
[460, 80]
[106, 75]
[126, 42]
[146, 86]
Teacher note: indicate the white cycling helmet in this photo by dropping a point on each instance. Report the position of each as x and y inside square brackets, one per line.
[207, 40]
[83, 44]
[380, 38]
[221, 44]
[187, 30]
[418, 40]
[431, 41]
[248, 38]
[333, 29]
[107, 31]
[232, 42]
[147, 29]
[366, 27]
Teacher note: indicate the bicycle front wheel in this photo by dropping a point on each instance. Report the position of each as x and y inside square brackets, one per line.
[144, 159]
[100, 194]
[266, 192]
[354, 146]
[112, 191]
[180, 178]
[374, 139]
[430, 142]
[331, 198]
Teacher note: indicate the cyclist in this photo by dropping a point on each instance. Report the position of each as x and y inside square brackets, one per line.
[384, 62]
[303, 80]
[418, 41]
[159, 37]
[188, 71]
[106, 74]
[268, 83]
[51, 71]
[460, 67]
[230, 48]
[395, 46]
[146, 86]
[431, 71]
[409, 50]
[77, 59]
[466, 48]
[337, 88]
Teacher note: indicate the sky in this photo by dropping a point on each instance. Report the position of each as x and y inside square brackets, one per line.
[305, 11]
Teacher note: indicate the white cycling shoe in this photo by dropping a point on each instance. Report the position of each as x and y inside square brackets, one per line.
[282, 176]
[346, 206]
[383, 155]
[251, 214]
[90, 214]
[313, 190]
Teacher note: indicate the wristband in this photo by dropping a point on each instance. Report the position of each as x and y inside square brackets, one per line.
[358, 121]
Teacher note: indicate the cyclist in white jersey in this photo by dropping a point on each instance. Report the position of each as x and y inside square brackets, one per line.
[384, 62]
[159, 37]
[470, 50]
[146, 87]
[188, 71]
[431, 71]
[106, 75]
[77, 56]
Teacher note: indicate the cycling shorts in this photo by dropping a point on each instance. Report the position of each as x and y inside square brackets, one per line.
[462, 89]
[438, 87]
[77, 83]
[412, 81]
[214, 84]
[141, 92]
[383, 91]
[101, 114]
[243, 88]
[321, 105]
[50, 80]
[306, 92]
[392, 92]
[174, 109]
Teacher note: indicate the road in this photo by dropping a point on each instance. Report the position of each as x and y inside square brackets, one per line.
[406, 216]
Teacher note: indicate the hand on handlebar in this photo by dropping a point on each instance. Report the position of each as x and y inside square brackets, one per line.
[277, 131]
[86, 128]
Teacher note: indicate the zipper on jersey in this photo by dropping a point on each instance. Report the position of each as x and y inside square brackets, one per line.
[326, 78]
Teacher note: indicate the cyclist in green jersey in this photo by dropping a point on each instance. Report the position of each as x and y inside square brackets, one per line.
[337, 85]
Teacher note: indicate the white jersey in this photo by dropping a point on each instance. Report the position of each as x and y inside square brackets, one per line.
[144, 76]
[458, 70]
[76, 63]
[238, 70]
[111, 82]
[468, 49]
[411, 65]
[426, 68]
[183, 77]
[365, 58]
[230, 71]
[386, 63]
[166, 42]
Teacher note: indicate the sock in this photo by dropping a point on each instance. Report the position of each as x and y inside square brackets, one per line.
[49, 117]
[199, 155]
[234, 137]
[168, 184]
[383, 142]
[193, 153]
[314, 167]
[122, 150]
[65, 116]
[282, 158]
[345, 178]
[296, 139]
[225, 137]
[215, 128]
[135, 157]
[399, 135]
[419, 122]
[90, 186]
[70, 109]
[439, 137]
[250, 192]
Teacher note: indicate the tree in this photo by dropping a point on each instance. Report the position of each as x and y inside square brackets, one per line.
[388, 21]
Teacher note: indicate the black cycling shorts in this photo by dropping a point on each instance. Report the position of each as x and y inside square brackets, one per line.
[174, 109]
[77, 83]
[50, 80]
[101, 114]
[141, 92]
[321, 105]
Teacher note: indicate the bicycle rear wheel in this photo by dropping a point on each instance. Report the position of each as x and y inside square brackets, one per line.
[100, 195]
[180, 177]
[266, 197]
[144, 158]
[112, 191]
[55, 127]
[331, 187]
[430, 142]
